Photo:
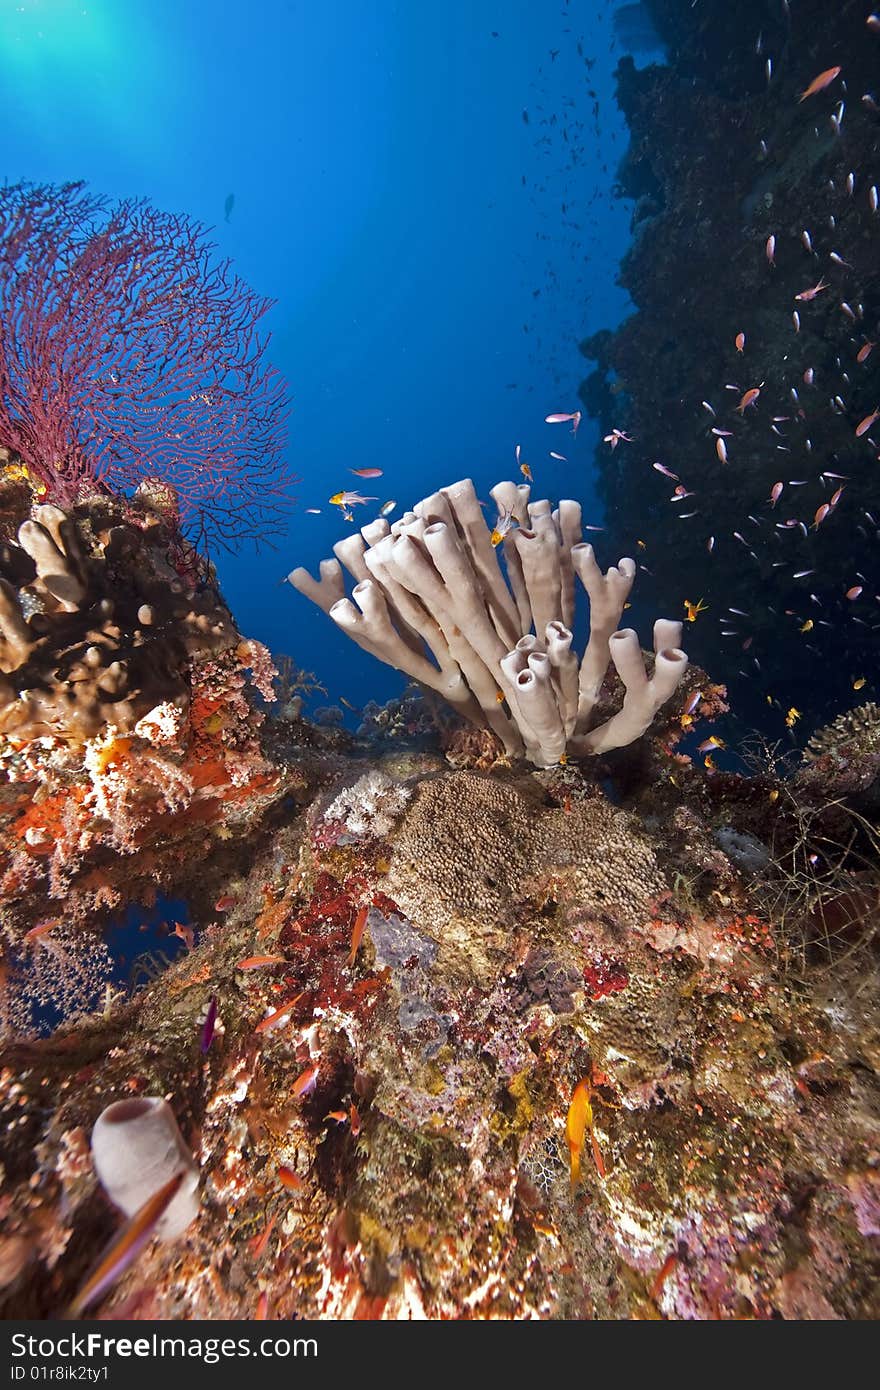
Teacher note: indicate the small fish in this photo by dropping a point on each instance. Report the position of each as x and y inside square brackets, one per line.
[560, 419]
[770, 249]
[225, 903]
[710, 544]
[560, 457]
[693, 702]
[209, 1025]
[864, 352]
[307, 1080]
[228, 206]
[349, 499]
[693, 610]
[709, 743]
[872, 197]
[290, 1179]
[578, 1121]
[615, 437]
[864, 425]
[665, 1270]
[721, 450]
[821, 513]
[721, 434]
[811, 293]
[854, 592]
[125, 1246]
[807, 626]
[748, 398]
[357, 933]
[261, 1312]
[707, 406]
[740, 341]
[809, 376]
[366, 473]
[257, 962]
[835, 497]
[775, 493]
[259, 1243]
[819, 83]
[807, 240]
[667, 472]
[41, 929]
[278, 1016]
[503, 526]
[354, 1120]
[858, 683]
[796, 320]
[387, 508]
[792, 717]
[802, 574]
[313, 511]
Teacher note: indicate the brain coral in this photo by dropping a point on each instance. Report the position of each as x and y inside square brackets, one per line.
[472, 853]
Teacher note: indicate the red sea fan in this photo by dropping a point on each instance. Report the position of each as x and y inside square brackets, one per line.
[127, 352]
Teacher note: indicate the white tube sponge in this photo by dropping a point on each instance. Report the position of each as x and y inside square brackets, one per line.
[608, 594]
[327, 590]
[137, 1148]
[436, 588]
[565, 672]
[643, 697]
[537, 699]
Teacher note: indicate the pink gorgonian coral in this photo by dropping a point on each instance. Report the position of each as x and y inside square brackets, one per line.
[129, 352]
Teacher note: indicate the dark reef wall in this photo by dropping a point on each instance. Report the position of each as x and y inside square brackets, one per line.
[722, 158]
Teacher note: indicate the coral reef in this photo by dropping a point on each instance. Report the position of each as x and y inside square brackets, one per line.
[433, 601]
[404, 1006]
[744, 199]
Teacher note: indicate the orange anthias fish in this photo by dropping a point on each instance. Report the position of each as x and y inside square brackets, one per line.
[357, 932]
[306, 1080]
[693, 610]
[819, 83]
[864, 425]
[748, 398]
[125, 1246]
[274, 1019]
[290, 1179]
[255, 962]
[578, 1121]
[740, 341]
[349, 499]
[366, 472]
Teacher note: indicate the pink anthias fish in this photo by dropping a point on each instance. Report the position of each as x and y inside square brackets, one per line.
[616, 436]
[561, 418]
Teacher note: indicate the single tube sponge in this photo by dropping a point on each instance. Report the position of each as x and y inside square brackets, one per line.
[137, 1147]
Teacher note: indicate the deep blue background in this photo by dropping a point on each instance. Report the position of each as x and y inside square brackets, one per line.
[435, 256]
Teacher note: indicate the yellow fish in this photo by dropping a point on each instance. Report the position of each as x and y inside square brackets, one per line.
[579, 1120]
[792, 717]
[808, 626]
[693, 610]
[857, 684]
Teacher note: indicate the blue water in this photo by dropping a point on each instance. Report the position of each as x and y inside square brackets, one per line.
[435, 256]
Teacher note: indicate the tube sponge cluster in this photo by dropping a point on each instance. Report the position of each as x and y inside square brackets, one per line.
[489, 628]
